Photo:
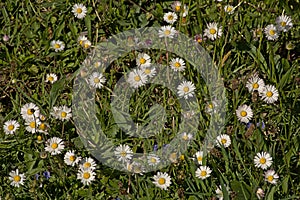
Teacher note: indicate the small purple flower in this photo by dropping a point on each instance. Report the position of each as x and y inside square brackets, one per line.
[148, 42]
[46, 174]
[248, 124]
[36, 176]
[261, 125]
[155, 147]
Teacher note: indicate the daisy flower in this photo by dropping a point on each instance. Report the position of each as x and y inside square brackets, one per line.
[123, 153]
[244, 113]
[16, 178]
[223, 140]
[211, 107]
[86, 44]
[170, 17]
[135, 167]
[284, 23]
[81, 39]
[199, 157]
[57, 45]
[71, 159]
[63, 113]
[260, 193]
[79, 11]
[143, 60]
[269, 94]
[30, 111]
[162, 180]
[11, 126]
[43, 127]
[198, 38]
[229, 9]
[203, 172]
[137, 78]
[186, 89]
[212, 31]
[153, 160]
[219, 192]
[88, 163]
[86, 176]
[263, 160]
[255, 84]
[186, 136]
[271, 176]
[54, 145]
[32, 125]
[271, 32]
[185, 11]
[177, 64]
[149, 71]
[176, 6]
[51, 78]
[167, 31]
[97, 80]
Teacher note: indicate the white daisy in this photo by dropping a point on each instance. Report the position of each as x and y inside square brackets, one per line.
[170, 17]
[51, 78]
[255, 84]
[269, 94]
[203, 172]
[149, 71]
[143, 60]
[54, 145]
[199, 157]
[30, 111]
[271, 176]
[135, 167]
[123, 153]
[57, 45]
[137, 78]
[97, 80]
[186, 89]
[263, 160]
[79, 11]
[229, 9]
[212, 31]
[32, 125]
[71, 158]
[167, 31]
[88, 163]
[64, 113]
[260, 193]
[219, 192]
[86, 44]
[86, 176]
[177, 64]
[186, 136]
[11, 126]
[244, 113]
[271, 32]
[185, 11]
[162, 180]
[176, 6]
[284, 23]
[81, 39]
[211, 107]
[153, 160]
[223, 140]
[16, 178]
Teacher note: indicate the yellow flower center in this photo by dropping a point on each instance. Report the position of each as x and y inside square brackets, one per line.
[86, 164]
[170, 17]
[39, 138]
[212, 31]
[229, 9]
[203, 173]
[42, 126]
[86, 45]
[167, 32]
[199, 158]
[79, 10]
[255, 85]
[262, 161]
[32, 124]
[283, 24]
[272, 32]
[270, 178]
[153, 160]
[185, 137]
[63, 114]
[177, 64]
[123, 154]
[50, 78]
[137, 78]
[269, 94]
[96, 80]
[147, 71]
[56, 46]
[81, 42]
[186, 89]
[177, 8]
[223, 141]
[29, 111]
[17, 178]
[72, 158]
[10, 127]
[54, 145]
[86, 175]
[161, 181]
[243, 113]
[181, 157]
[211, 106]
[142, 61]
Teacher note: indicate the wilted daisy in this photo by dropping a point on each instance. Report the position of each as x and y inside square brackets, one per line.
[137, 78]
[32, 125]
[219, 192]
[263, 160]
[271, 176]
[162, 180]
[199, 157]
[11, 126]
[271, 32]
[244, 113]
[177, 64]
[71, 158]
[186, 136]
[57, 45]
[16, 178]
[30, 111]
[223, 140]
[260, 193]
[153, 160]
[88, 163]
[213, 31]
[186, 89]
[79, 11]
[54, 145]
[167, 31]
[203, 172]
[123, 153]
[170, 17]
[149, 71]
[229, 9]
[143, 60]
[284, 23]
[97, 80]
[81, 39]
[176, 6]
[269, 94]
[51, 78]
[86, 176]
[255, 84]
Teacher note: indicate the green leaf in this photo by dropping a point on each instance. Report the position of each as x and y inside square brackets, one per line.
[55, 91]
